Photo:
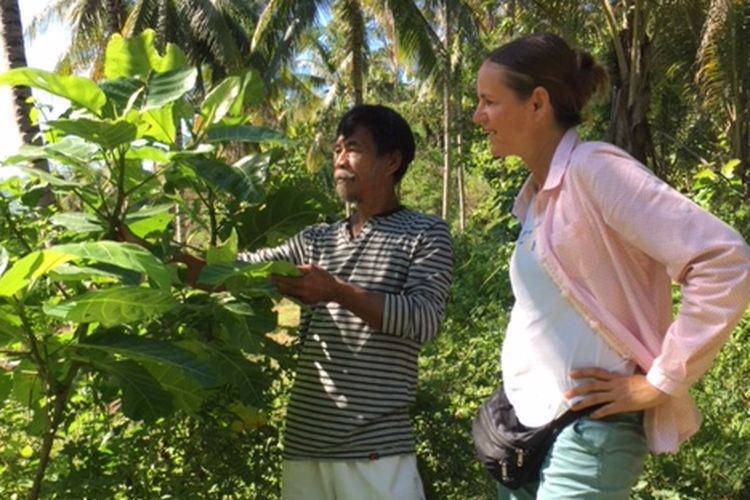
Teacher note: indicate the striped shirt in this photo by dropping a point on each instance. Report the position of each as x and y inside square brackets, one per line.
[354, 383]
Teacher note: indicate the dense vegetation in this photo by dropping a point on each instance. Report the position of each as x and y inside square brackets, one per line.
[119, 381]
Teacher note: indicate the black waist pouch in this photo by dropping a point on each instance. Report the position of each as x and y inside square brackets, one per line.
[511, 452]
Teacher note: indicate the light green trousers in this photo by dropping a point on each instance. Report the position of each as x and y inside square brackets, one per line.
[590, 460]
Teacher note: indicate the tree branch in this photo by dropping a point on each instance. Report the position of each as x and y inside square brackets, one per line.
[622, 61]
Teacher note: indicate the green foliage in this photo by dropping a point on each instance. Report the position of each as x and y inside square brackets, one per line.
[715, 463]
[460, 368]
[77, 90]
[166, 386]
[721, 191]
[84, 317]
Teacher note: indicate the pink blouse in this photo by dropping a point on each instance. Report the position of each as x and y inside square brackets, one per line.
[613, 238]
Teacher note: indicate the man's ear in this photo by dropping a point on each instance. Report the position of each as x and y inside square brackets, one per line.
[392, 162]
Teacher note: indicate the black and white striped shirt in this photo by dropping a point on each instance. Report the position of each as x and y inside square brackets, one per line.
[354, 383]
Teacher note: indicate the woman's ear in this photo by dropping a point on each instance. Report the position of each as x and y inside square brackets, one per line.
[540, 101]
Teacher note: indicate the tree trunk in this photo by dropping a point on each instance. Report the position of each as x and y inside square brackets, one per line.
[14, 56]
[446, 113]
[629, 127]
[631, 130]
[356, 47]
[512, 17]
[162, 24]
[739, 140]
[461, 189]
[114, 17]
[457, 82]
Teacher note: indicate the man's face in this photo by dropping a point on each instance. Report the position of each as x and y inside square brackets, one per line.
[358, 172]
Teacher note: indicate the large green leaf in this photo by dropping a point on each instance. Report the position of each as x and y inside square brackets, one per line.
[263, 319]
[6, 384]
[187, 394]
[28, 388]
[229, 100]
[245, 133]
[252, 93]
[159, 125]
[113, 306]
[107, 133]
[159, 352]
[10, 325]
[125, 255]
[136, 57]
[49, 178]
[219, 102]
[283, 213]
[167, 87]
[148, 153]
[255, 166]
[83, 273]
[80, 91]
[4, 259]
[79, 222]
[131, 257]
[143, 398]
[236, 370]
[148, 220]
[28, 269]
[232, 327]
[225, 252]
[215, 275]
[243, 182]
[243, 324]
[122, 94]
[71, 150]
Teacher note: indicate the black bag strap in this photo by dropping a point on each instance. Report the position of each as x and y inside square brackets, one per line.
[571, 416]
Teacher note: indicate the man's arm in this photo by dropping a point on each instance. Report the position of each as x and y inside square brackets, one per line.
[414, 313]
[293, 250]
[417, 312]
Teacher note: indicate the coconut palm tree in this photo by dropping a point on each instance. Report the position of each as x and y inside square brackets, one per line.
[459, 24]
[92, 22]
[213, 34]
[409, 36]
[723, 76]
[14, 55]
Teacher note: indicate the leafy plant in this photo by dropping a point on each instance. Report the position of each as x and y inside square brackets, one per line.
[82, 311]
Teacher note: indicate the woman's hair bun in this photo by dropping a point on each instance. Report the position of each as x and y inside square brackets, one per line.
[591, 77]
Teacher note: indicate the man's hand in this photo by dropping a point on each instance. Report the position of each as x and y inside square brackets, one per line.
[318, 285]
[618, 393]
[315, 285]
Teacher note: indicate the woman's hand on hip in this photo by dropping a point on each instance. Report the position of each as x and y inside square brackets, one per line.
[618, 393]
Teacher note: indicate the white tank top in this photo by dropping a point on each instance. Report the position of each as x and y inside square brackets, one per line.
[546, 339]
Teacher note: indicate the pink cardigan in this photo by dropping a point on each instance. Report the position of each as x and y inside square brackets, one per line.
[614, 238]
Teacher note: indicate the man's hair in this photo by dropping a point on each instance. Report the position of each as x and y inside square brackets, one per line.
[388, 129]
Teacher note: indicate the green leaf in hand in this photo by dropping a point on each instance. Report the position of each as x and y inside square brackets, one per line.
[215, 275]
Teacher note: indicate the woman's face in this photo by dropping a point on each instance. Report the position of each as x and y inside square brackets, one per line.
[501, 113]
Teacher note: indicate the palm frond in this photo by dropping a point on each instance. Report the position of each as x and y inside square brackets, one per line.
[416, 41]
[52, 13]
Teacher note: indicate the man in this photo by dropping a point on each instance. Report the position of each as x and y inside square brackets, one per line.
[376, 284]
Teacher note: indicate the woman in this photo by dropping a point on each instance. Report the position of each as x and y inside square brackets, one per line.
[602, 240]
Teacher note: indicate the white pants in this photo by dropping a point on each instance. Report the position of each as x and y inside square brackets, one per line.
[389, 478]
